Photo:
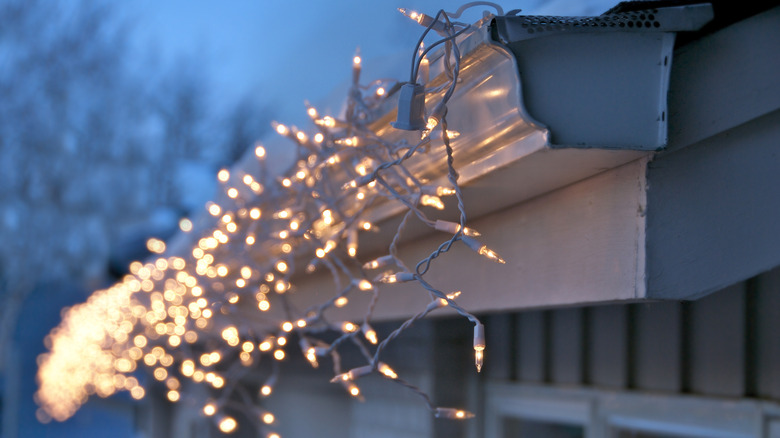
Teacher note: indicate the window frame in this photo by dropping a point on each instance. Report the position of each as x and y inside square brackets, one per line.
[604, 413]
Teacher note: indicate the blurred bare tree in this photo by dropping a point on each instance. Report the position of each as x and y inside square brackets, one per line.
[89, 145]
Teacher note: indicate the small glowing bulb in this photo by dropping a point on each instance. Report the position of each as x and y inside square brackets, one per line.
[366, 225]
[260, 152]
[320, 253]
[354, 391]
[380, 91]
[312, 112]
[214, 210]
[311, 356]
[365, 285]
[265, 390]
[173, 395]
[370, 335]
[232, 193]
[378, 263]
[387, 371]
[432, 201]
[223, 175]
[479, 358]
[349, 141]
[341, 302]
[490, 254]
[250, 240]
[227, 425]
[268, 418]
[210, 409]
[286, 182]
[185, 225]
[329, 245]
[399, 277]
[255, 213]
[281, 129]
[318, 137]
[327, 121]
[452, 227]
[348, 327]
[479, 345]
[356, 60]
[155, 245]
[411, 14]
[279, 354]
[432, 123]
[281, 266]
[452, 296]
[137, 393]
[453, 414]
[424, 65]
[389, 279]
[482, 249]
[287, 326]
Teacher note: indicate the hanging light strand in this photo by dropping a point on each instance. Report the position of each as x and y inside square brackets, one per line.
[185, 317]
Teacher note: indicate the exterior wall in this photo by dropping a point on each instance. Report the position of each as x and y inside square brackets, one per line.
[307, 404]
[723, 345]
[715, 358]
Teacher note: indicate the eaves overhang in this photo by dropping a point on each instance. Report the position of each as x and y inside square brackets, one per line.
[605, 87]
[571, 217]
[599, 82]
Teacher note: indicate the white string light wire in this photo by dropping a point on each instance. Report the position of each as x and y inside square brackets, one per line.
[164, 315]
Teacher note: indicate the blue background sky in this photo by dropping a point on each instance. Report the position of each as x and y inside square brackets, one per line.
[287, 51]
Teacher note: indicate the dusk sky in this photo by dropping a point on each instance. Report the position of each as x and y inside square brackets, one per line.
[287, 51]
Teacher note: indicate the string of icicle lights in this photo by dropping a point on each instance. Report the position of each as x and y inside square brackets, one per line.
[177, 315]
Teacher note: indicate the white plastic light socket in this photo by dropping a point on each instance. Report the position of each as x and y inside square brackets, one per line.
[411, 108]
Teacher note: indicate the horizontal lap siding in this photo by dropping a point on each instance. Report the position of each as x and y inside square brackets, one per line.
[725, 344]
[767, 317]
